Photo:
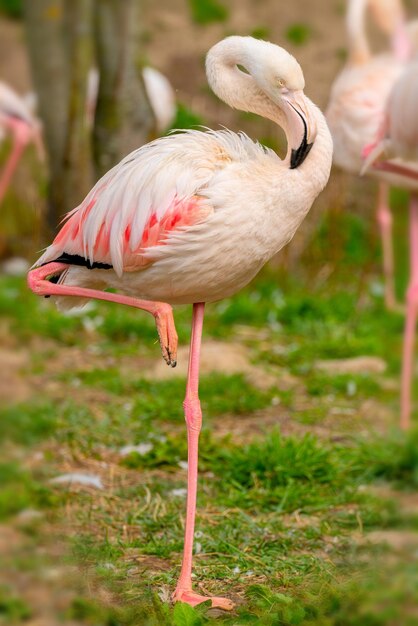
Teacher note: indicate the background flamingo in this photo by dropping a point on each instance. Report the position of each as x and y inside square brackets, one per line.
[161, 96]
[192, 217]
[394, 157]
[16, 118]
[357, 102]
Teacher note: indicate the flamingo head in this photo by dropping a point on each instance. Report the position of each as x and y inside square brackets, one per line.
[281, 78]
[258, 76]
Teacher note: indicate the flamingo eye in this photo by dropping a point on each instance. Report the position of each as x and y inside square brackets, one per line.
[281, 82]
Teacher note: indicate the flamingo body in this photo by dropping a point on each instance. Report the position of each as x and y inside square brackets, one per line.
[192, 217]
[357, 105]
[13, 105]
[161, 97]
[394, 157]
[16, 118]
[215, 202]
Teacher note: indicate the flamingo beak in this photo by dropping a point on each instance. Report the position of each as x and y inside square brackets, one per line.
[302, 129]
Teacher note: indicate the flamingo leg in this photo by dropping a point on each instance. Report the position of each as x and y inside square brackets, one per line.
[38, 282]
[411, 318]
[20, 140]
[384, 218]
[193, 417]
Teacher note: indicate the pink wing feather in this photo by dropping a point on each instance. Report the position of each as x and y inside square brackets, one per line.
[151, 192]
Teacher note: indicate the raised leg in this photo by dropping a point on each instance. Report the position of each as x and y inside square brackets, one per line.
[411, 318]
[193, 416]
[384, 218]
[38, 282]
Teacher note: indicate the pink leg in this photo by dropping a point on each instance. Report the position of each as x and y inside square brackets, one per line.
[411, 318]
[384, 218]
[18, 147]
[38, 283]
[193, 415]
[401, 44]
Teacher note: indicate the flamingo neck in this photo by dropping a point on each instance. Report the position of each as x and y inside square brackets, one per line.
[359, 50]
[314, 172]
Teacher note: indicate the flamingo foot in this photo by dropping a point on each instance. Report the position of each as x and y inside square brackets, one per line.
[167, 333]
[192, 598]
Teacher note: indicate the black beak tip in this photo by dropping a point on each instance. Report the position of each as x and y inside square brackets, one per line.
[298, 156]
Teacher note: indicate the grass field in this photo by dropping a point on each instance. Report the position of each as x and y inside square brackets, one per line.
[307, 505]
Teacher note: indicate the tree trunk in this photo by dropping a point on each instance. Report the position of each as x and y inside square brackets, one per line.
[59, 34]
[59, 39]
[45, 33]
[77, 156]
[123, 118]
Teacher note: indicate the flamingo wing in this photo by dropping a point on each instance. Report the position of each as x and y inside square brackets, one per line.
[12, 104]
[154, 190]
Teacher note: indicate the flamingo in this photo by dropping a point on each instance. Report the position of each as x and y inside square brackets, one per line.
[393, 157]
[160, 94]
[357, 100]
[17, 118]
[192, 217]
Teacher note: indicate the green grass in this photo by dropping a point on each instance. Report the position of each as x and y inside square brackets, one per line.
[208, 11]
[11, 8]
[261, 32]
[186, 118]
[13, 610]
[284, 515]
[298, 34]
[19, 490]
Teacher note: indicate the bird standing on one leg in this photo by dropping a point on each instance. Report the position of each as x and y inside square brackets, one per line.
[394, 158]
[357, 100]
[192, 217]
[17, 119]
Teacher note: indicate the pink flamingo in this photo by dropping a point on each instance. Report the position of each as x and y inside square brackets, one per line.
[16, 118]
[193, 216]
[394, 158]
[357, 102]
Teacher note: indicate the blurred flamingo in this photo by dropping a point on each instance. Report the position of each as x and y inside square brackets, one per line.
[160, 94]
[357, 102]
[394, 158]
[193, 216]
[16, 118]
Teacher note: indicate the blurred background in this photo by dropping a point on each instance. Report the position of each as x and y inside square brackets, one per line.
[316, 519]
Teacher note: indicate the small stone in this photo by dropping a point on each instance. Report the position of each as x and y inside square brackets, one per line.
[142, 449]
[75, 478]
[16, 266]
[179, 493]
[29, 515]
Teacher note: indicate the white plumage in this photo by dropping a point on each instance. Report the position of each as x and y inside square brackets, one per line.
[247, 203]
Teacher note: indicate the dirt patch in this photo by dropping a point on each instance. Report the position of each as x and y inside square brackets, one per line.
[407, 501]
[13, 386]
[217, 356]
[10, 538]
[398, 540]
[356, 365]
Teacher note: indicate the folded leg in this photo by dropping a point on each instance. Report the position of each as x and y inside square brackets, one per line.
[38, 282]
